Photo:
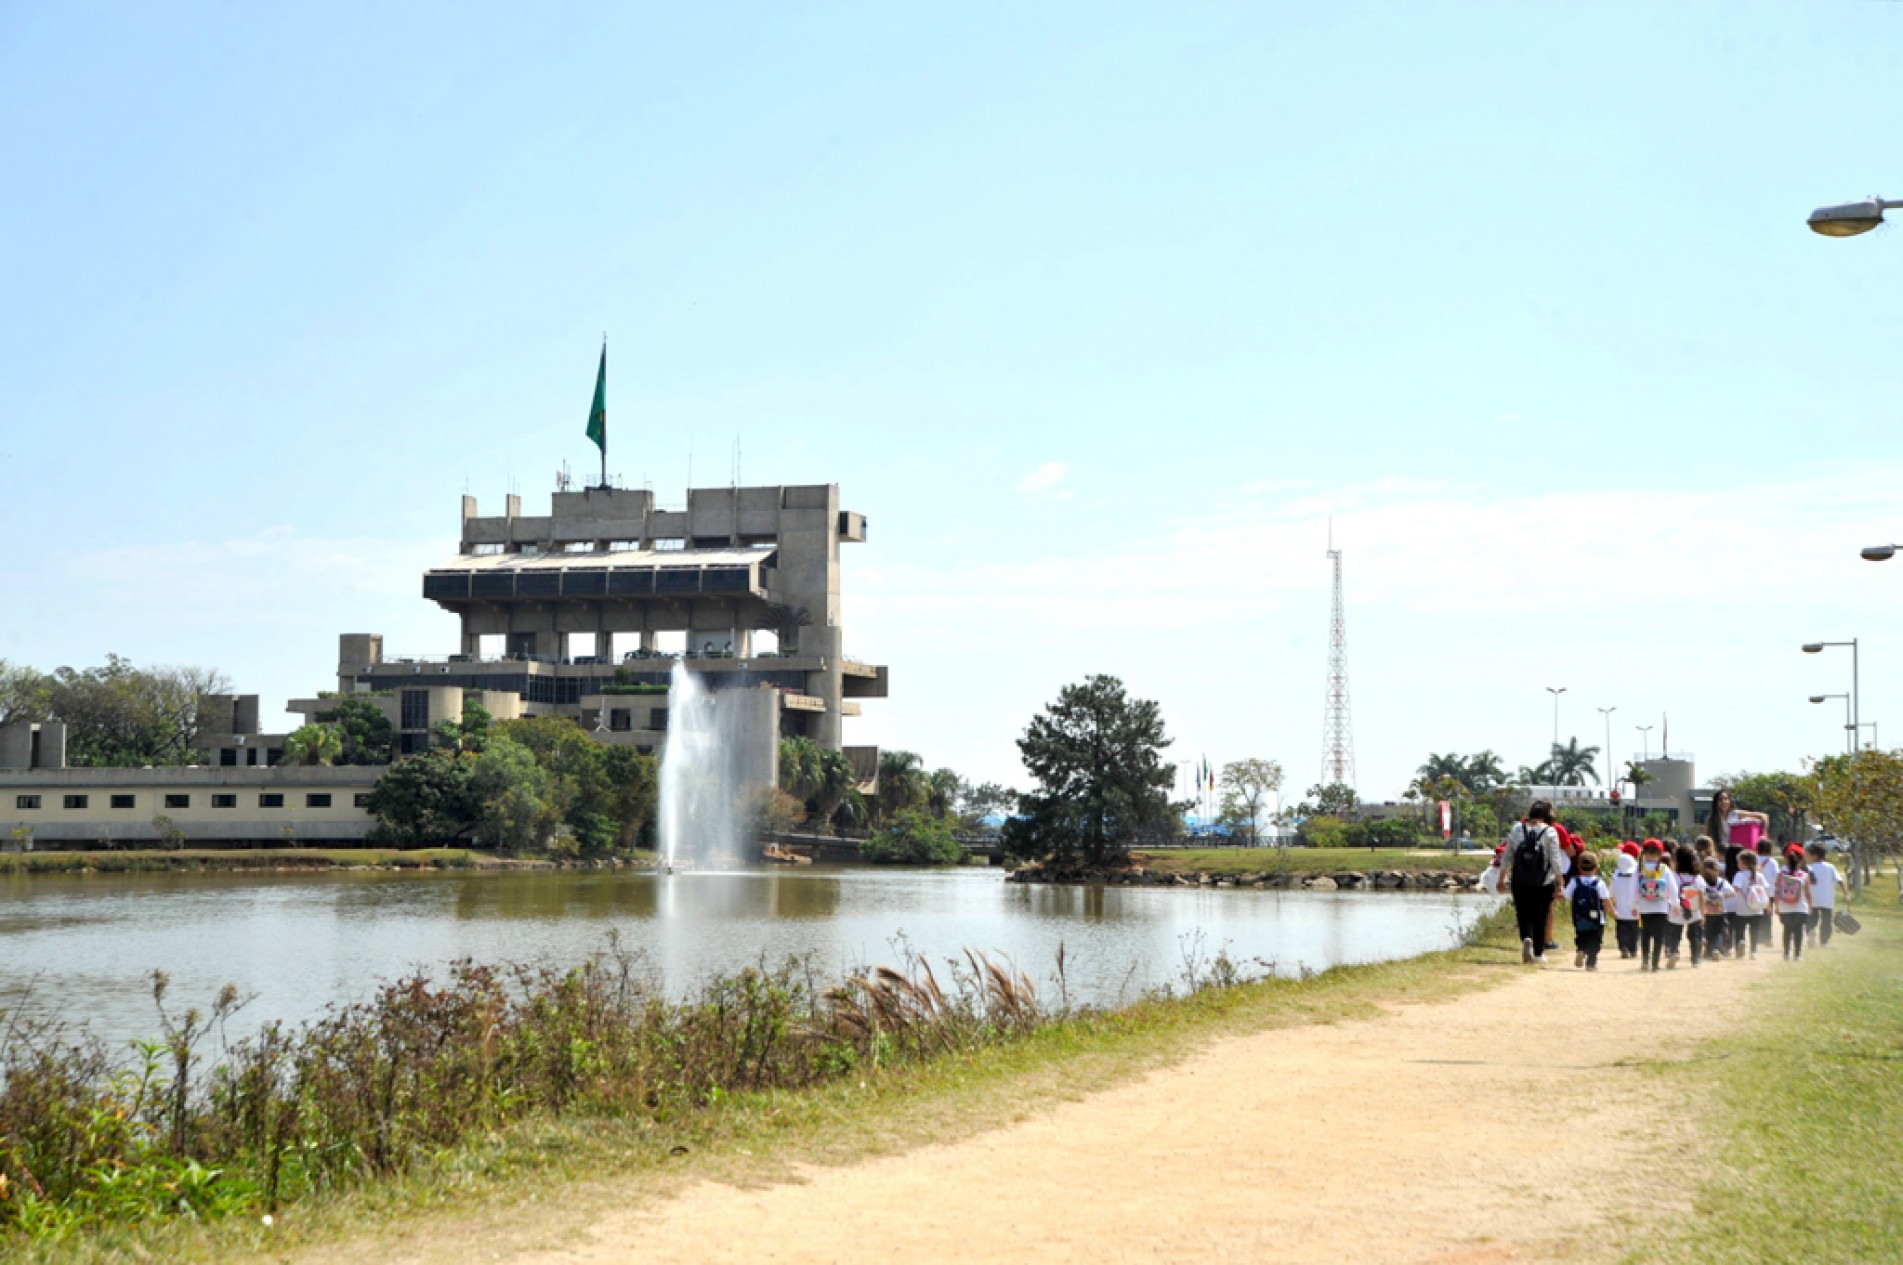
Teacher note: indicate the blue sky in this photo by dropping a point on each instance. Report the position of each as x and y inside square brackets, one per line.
[1099, 313]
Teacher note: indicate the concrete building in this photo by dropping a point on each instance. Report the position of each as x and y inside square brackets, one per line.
[583, 612]
[105, 808]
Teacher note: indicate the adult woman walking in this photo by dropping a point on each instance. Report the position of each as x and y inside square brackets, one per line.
[1533, 873]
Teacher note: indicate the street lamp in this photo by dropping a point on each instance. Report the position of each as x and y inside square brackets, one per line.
[1856, 701]
[1850, 742]
[1645, 741]
[1880, 553]
[1607, 713]
[1876, 744]
[1851, 218]
[1552, 762]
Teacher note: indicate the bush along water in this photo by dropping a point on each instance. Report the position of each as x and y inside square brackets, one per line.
[376, 1087]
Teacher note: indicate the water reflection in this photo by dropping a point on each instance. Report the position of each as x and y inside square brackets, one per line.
[298, 942]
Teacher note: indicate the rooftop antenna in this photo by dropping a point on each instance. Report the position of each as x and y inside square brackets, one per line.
[1338, 739]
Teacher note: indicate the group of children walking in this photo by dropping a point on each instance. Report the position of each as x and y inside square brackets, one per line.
[1661, 900]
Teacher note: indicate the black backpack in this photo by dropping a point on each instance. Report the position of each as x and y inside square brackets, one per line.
[1529, 858]
[1589, 912]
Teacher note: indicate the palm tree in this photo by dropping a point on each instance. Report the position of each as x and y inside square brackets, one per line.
[902, 783]
[1440, 766]
[837, 791]
[799, 768]
[313, 744]
[1484, 773]
[784, 621]
[1572, 764]
[942, 790]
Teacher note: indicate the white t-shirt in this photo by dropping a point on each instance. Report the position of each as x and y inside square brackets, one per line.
[1736, 903]
[1681, 915]
[1605, 895]
[1823, 884]
[1658, 889]
[1799, 906]
[1625, 889]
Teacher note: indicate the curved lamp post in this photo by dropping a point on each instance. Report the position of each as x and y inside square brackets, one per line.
[1880, 553]
[1850, 743]
[1856, 700]
[1851, 218]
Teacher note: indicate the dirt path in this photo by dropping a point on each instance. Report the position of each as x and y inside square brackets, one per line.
[1437, 1133]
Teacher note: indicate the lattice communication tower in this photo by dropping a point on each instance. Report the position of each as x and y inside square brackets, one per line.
[1338, 731]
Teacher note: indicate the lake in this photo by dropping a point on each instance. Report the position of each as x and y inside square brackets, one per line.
[83, 947]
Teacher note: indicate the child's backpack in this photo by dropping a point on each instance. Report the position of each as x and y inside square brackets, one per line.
[1690, 908]
[1589, 908]
[1790, 888]
[1714, 903]
[1757, 895]
[1529, 859]
[1651, 884]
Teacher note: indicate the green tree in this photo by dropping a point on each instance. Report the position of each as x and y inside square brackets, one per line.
[1246, 788]
[369, 738]
[1572, 764]
[1322, 831]
[1335, 799]
[521, 803]
[800, 773]
[25, 694]
[1382, 832]
[470, 734]
[913, 837]
[1097, 757]
[116, 715]
[902, 783]
[1860, 798]
[943, 789]
[423, 800]
[313, 744]
[633, 791]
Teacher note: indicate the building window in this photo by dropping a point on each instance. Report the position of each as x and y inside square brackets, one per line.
[28, 802]
[228, 756]
[123, 801]
[224, 801]
[415, 709]
[270, 799]
[250, 755]
[174, 801]
[273, 754]
[317, 799]
[75, 801]
[620, 720]
[363, 799]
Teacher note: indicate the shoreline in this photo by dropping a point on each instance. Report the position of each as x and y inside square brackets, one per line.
[293, 861]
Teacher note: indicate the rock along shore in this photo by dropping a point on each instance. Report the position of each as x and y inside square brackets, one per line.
[1279, 880]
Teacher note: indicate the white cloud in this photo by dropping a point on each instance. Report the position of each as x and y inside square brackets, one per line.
[1044, 478]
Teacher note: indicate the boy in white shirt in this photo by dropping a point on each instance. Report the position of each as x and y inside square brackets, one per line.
[1823, 893]
[1589, 898]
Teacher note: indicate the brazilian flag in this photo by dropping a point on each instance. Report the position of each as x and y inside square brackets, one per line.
[598, 415]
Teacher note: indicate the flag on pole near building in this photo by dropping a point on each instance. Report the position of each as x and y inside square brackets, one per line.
[598, 415]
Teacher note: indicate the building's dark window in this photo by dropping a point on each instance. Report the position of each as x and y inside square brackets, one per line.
[26, 801]
[415, 709]
[620, 720]
[75, 801]
[228, 756]
[657, 719]
[224, 801]
[363, 799]
[270, 799]
[317, 799]
[124, 801]
[178, 801]
[273, 754]
[250, 755]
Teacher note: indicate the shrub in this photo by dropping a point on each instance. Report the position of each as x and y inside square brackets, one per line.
[913, 838]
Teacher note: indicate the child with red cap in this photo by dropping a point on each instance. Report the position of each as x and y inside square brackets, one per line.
[1625, 899]
[1658, 893]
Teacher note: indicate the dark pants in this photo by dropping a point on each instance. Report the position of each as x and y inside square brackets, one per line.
[1760, 931]
[1674, 936]
[1717, 935]
[1587, 941]
[1627, 930]
[1794, 927]
[1652, 940]
[1695, 933]
[1820, 923]
[1530, 904]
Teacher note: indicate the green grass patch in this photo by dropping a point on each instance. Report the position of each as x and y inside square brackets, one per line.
[1808, 1161]
[1308, 860]
[129, 861]
[486, 1192]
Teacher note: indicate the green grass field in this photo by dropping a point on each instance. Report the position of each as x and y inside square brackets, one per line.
[1804, 1160]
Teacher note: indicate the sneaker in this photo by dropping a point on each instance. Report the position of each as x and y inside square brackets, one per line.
[1579, 959]
[1552, 944]
[1671, 963]
[1526, 952]
[1592, 966]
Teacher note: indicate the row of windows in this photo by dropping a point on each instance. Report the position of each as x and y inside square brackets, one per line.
[266, 799]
